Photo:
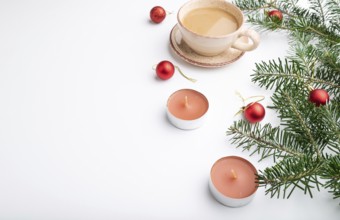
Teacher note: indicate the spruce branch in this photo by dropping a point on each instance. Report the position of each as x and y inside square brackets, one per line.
[290, 173]
[331, 117]
[318, 7]
[266, 141]
[331, 174]
[275, 73]
[293, 117]
[296, 19]
[316, 128]
[305, 148]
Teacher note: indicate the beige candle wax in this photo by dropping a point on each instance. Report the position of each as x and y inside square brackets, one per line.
[233, 181]
[186, 108]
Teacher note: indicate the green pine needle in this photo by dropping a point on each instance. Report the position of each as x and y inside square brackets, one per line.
[305, 147]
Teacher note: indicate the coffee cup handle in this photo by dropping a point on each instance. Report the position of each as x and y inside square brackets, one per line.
[253, 35]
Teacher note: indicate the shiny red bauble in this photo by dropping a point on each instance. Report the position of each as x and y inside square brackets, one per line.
[157, 14]
[254, 112]
[319, 97]
[275, 14]
[165, 69]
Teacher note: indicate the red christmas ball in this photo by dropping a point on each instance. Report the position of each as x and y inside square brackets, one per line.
[157, 14]
[275, 14]
[319, 97]
[165, 70]
[254, 112]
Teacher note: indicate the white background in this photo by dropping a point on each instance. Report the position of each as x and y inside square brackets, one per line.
[83, 131]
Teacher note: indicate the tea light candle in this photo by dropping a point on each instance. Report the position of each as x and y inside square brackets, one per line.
[186, 108]
[233, 181]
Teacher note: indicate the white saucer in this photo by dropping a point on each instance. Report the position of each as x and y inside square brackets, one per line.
[186, 53]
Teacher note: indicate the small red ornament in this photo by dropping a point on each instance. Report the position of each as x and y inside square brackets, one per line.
[157, 14]
[165, 70]
[319, 97]
[276, 15]
[254, 112]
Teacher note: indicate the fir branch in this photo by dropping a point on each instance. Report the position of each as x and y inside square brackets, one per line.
[333, 15]
[311, 25]
[331, 174]
[291, 112]
[315, 127]
[329, 59]
[331, 130]
[249, 6]
[318, 7]
[274, 73]
[307, 142]
[266, 141]
[296, 19]
[292, 172]
[278, 73]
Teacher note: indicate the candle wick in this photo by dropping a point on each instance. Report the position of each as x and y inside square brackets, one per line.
[234, 174]
[186, 102]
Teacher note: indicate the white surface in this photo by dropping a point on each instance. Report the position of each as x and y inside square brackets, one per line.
[83, 128]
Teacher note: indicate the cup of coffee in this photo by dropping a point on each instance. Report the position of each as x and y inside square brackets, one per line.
[210, 27]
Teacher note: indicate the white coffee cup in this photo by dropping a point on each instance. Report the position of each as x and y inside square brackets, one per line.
[211, 45]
